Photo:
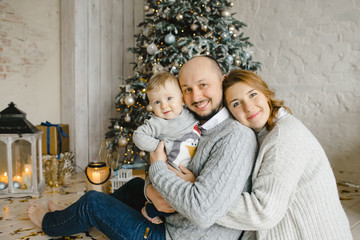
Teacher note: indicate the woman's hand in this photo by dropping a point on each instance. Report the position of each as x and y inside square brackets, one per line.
[159, 202]
[185, 173]
[158, 154]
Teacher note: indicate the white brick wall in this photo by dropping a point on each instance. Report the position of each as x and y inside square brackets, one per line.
[310, 51]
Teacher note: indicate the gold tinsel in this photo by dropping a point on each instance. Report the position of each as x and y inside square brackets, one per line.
[55, 170]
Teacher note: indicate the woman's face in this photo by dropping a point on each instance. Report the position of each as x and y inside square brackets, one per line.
[248, 105]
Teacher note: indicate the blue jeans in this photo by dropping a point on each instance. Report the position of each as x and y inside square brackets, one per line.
[114, 215]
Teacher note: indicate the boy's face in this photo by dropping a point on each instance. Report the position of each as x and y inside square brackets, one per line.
[166, 101]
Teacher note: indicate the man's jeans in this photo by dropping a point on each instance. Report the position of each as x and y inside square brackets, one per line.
[118, 215]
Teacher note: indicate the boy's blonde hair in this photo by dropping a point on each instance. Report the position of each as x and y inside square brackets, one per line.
[159, 79]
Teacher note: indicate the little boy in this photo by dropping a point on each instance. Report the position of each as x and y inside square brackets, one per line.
[172, 124]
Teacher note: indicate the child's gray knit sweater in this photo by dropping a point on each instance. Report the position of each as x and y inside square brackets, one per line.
[223, 163]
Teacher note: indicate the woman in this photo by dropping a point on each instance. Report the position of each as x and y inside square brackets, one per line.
[294, 193]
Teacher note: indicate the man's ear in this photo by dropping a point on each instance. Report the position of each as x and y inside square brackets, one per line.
[223, 78]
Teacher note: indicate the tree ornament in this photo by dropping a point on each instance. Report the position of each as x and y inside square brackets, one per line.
[117, 126]
[207, 53]
[231, 4]
[237, 62]
[140, 58]
[157, 68]
[149, 108]
[129, 100]
[151, 49]
[204, 28]
[142, 154]
[225, 13]
[146, 8]
[229, 59]
[122, 142]
[170, 39]
[225, 36]
[208, 9]
[234, 35]
[127, 118]
[232, 28]
[194, 27]
[179, 17]
[184, 49]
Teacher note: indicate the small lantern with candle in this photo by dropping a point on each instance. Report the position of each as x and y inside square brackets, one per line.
[97, 177]
[20, 154]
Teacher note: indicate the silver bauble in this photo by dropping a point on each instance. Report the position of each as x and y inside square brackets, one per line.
[3, 186]
[149, 108]
[140, 58]
[225, 13]
[142, 154]
[231, 4]
[170, 39]
[151, 49]
[127, 118]
[117, 126]
[229, 59]
[179, 17]
[234, 35]
[231, 28]
[194, 27]
[146, 8]
[237, 62]
[16, 184]
[129, 100]
[122, 142]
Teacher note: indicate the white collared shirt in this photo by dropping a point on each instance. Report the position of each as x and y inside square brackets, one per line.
[216, 119]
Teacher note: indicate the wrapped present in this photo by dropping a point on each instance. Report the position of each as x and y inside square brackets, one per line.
[55, 138]
[58, 167]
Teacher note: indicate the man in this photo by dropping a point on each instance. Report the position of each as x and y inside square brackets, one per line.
[222, 166]
[222, 163]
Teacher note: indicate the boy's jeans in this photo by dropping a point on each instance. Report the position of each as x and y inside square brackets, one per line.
[118, 215]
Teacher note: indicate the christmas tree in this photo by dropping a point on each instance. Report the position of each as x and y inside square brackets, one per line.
[173, 32]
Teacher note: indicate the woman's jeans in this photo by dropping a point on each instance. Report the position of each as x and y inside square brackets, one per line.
[118, 215]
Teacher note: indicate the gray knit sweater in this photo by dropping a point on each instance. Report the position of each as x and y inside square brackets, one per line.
[222, 163]
[294, 194]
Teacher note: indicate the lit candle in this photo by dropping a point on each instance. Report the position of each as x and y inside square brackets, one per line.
[95, 177]
[26, 175]
[17, 178]
[4, 178]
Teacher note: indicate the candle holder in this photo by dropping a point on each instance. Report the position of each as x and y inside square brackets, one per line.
[20, 155]
[97, 177]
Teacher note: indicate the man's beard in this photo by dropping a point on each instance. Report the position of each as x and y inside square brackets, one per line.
[208, 116]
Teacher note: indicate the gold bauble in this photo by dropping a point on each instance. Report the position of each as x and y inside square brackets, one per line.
[122, 142]
[142, 154]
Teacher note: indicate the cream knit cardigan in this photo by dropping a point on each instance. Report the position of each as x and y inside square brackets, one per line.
[294, 193]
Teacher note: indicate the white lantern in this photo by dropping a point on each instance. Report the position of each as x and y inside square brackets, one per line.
[20, 155]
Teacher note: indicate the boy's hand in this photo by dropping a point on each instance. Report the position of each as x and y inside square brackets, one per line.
[158, 154]
[185, 173]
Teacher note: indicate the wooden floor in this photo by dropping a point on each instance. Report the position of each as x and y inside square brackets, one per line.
[14, 223]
